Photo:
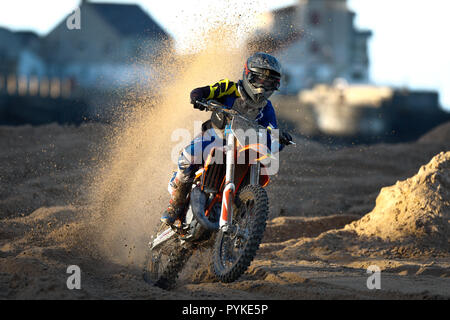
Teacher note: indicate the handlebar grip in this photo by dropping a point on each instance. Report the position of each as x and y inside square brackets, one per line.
[204, 105]
[200, 105]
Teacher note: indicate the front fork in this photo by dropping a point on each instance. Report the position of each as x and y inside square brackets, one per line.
[226, 216]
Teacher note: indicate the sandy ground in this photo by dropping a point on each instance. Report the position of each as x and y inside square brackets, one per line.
[311, 250]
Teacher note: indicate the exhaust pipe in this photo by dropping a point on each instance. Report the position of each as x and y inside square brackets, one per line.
[198, 203]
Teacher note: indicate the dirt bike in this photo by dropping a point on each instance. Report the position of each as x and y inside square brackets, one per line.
[227, 201]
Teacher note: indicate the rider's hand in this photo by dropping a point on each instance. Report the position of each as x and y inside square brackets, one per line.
[285, 138]
[196, 105]
[199, 107]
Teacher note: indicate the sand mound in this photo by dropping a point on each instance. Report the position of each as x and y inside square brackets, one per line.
[410, 219]
[440, 134]
[416, 209]
[284, 228]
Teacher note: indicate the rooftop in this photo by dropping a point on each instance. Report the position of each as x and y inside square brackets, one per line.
[127, 19]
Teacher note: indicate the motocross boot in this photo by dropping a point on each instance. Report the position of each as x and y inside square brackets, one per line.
[177, 201]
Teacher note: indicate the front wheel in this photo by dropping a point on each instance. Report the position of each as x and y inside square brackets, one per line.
[234, 250]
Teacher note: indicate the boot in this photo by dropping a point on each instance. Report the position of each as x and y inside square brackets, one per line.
[177, 201]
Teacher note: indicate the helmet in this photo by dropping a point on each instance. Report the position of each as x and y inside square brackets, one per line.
[261, 77]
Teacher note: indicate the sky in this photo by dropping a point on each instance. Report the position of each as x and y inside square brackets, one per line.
[409, 46]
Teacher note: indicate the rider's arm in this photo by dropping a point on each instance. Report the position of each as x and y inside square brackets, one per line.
[268, 118]
[216, 91]
[199, 94]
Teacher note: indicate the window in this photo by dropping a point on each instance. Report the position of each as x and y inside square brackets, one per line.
[357, 75]
[314, 18]
[314, 47]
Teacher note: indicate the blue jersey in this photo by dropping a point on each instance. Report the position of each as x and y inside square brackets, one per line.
[226, 92]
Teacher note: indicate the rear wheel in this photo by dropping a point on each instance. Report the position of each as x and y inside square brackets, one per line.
[234, 250]
[164, 263]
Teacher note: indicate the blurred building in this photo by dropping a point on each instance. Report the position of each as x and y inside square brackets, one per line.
[364, 113]
[19, 48]
[72, 74]
[107, 49]
[316, 42]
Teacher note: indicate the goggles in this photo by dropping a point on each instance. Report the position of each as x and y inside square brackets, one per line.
[267, 82]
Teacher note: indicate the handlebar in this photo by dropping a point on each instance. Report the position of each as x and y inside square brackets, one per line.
[215, 106]
[212, 105]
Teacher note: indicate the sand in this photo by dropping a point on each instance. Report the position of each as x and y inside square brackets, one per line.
[334, 212]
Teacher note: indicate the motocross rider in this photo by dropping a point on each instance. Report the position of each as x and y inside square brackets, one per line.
[249, 96]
